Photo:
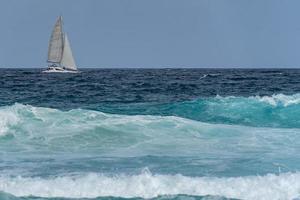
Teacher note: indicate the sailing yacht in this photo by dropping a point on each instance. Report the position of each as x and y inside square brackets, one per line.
[60, 57]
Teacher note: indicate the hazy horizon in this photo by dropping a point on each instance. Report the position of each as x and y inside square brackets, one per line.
[174, 67]
[155, 34]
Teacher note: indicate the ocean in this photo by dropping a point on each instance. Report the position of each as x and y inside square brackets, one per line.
[150, 134]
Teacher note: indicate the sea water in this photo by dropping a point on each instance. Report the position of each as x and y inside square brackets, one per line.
[150, 134]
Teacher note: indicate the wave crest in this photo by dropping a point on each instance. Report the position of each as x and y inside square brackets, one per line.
[280, 99]
[147, 185]
[259, 111]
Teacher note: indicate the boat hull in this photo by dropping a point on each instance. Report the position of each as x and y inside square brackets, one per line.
[59, 70]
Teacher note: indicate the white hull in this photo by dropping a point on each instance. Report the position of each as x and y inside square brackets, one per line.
[59, 70]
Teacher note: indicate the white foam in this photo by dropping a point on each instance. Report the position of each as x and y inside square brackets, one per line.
[280, 99]
[204, 76]
[7, 118]
[216, 74]
[274, 100]
[147, 185]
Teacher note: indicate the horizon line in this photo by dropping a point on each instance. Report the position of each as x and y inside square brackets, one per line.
[298, 67]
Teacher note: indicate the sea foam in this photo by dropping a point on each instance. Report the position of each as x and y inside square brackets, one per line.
[280, 99]
[274, 100]
[8, 118]
[147, 185]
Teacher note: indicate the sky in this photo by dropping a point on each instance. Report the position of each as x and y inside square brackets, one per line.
[154, 33]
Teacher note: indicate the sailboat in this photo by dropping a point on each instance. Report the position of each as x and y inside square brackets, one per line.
[60, 57]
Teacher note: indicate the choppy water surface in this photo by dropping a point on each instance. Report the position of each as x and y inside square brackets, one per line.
[146, 133]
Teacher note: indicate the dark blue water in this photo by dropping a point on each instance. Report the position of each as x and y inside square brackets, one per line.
[150, 133]
[98, 88]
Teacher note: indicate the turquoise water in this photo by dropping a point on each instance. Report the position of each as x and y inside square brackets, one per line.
[208, 147]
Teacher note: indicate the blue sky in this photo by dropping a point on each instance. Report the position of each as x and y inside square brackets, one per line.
[154, 33]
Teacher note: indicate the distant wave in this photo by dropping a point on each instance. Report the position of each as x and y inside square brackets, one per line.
[204, 76]
[215, 74]
[147, 185]
[209, 75]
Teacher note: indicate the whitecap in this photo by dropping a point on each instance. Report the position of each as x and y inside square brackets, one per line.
[280, 99]
[147, 185]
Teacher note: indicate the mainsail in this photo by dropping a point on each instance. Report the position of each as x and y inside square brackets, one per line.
[56, 43]
[67, 60]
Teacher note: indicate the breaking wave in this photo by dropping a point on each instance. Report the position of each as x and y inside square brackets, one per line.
[147, 185]
[34, 129]
[260, 111]
[280, 100]
[38, 132]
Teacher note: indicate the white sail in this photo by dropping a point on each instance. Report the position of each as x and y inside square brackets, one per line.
[56, 43]
[67, 60]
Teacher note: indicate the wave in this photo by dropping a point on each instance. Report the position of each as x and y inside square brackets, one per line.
[28, 128]
[278, 110]
[51, 134]
[204, 76]
[147, 185]
[35, 138]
